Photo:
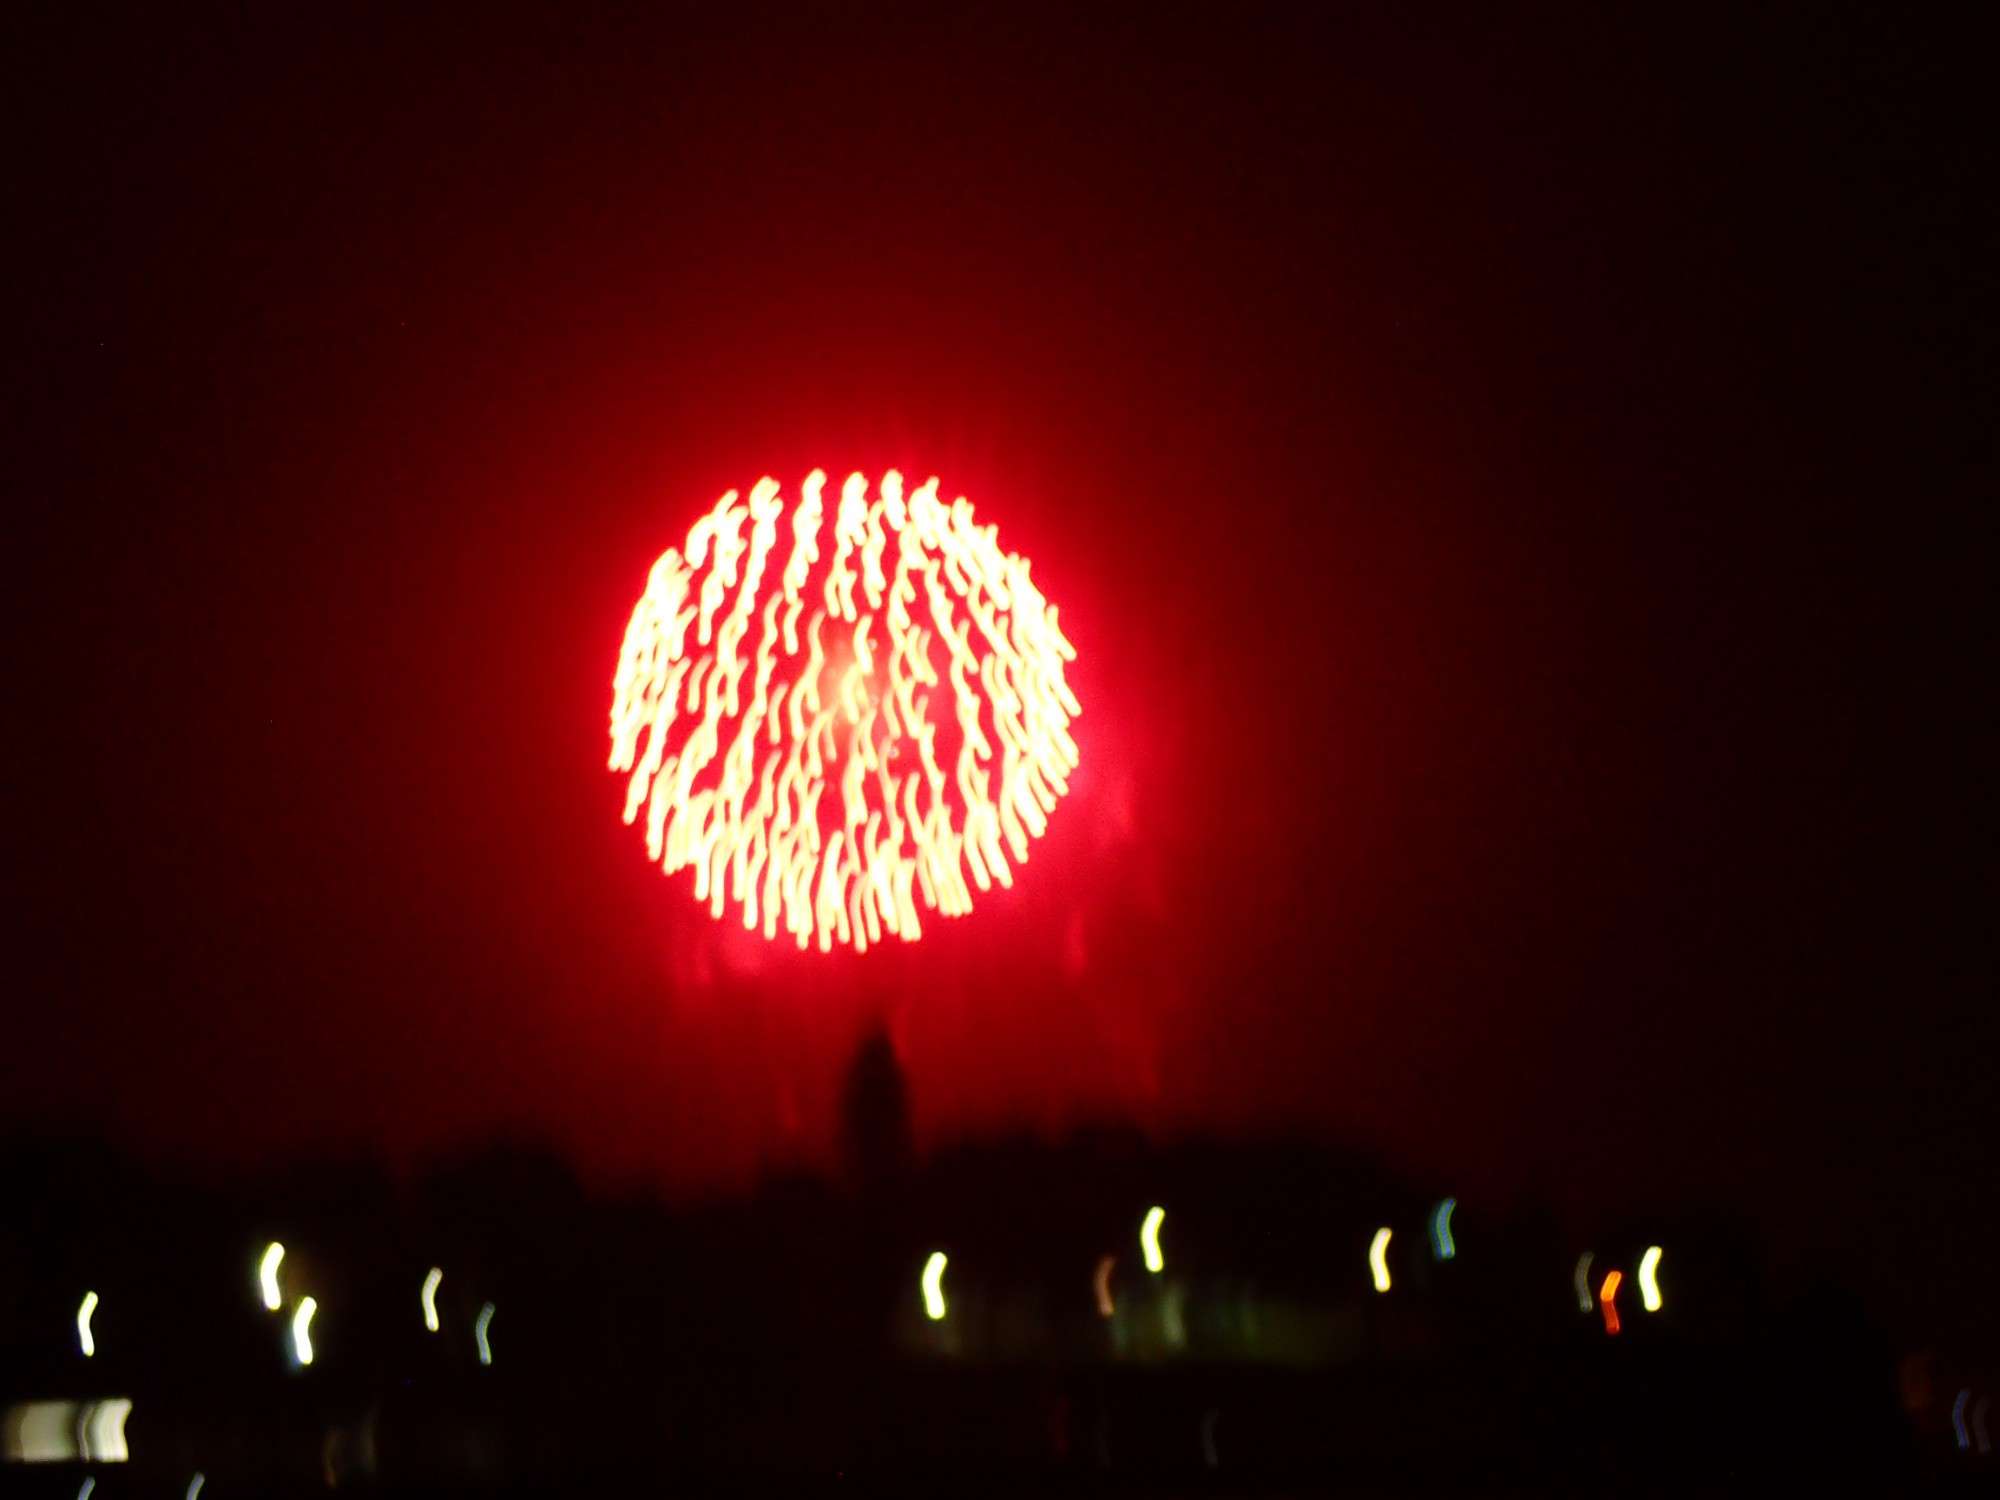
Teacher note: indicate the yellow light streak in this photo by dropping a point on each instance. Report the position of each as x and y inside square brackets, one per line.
[933, 1283]
[267, 1275]
[1378, 1259]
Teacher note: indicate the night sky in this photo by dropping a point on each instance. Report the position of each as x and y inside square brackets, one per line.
[1510, 477]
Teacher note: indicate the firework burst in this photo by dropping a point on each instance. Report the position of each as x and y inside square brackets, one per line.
[878, 725]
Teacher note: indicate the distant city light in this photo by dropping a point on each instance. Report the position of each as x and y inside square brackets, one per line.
[934, 1286]
[1442, 1245]
[267, 1275]
[1149, 1239]
[1607, 1296]
[1649, 1278]
[1101, 1283]
[430, 1298]
[1378, 1259]
[479, 1333]
[44, 1432]
[1583, 1299]
[41, 1432]
[103, 1429]
[302, 1344]
[84, 1338]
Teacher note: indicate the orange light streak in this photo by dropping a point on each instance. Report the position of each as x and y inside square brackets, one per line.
[816, 777]
[1607, 1298]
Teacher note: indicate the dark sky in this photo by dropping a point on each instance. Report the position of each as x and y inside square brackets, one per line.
[1510, 477]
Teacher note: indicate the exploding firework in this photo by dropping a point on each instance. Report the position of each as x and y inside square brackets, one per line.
[831, 745]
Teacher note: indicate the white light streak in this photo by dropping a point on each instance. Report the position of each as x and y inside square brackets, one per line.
[85, 1340]
[267, 1275]
[430, 1298]
[302, 1344]
[1649, 1278]
[1378, 1259]
[1149, 1239]
[934, 1286]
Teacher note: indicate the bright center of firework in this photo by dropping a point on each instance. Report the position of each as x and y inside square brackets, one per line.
[879, 724]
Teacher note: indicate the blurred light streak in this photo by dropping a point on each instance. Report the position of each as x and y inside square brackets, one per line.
[1149, 1239]
[1649, 1278]
[195, 1484]
[1173, 1317]
[1958, 1419]
[103, 1430]
[89, 1484]
[1442, 1244]
[267, 1275]
[1208, 1453]
[302, 1316]
[430, 1298]
[84, 1337]
[934, 1286]
[479, 1332]
[801, 776]
[41, 1432]
[1378, 1259]
[1583, 1300]
[1607, 1296]
[1980, 1439]
[1101, 1284]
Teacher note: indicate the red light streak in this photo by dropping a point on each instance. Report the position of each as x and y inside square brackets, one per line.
[1101, 1284]
[1607, 1298]
[827, 761]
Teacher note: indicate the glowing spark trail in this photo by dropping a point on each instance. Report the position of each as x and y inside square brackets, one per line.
[84, 1338]
[1149, 1239]
[834, 733]
[431, 1283]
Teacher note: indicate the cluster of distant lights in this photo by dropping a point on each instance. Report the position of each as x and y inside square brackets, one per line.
[305, 1308]
[1443, 1247]
[46, 1431]
[94, 1431]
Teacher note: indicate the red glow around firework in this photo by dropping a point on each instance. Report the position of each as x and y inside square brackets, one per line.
[878, 725]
